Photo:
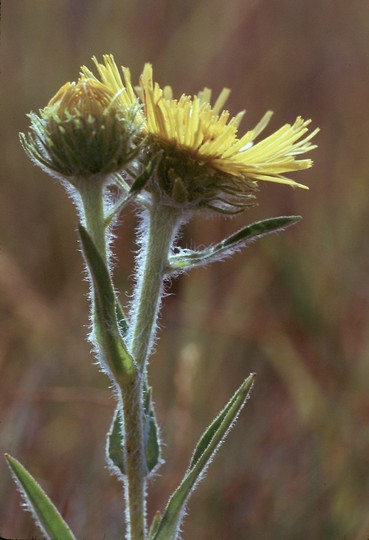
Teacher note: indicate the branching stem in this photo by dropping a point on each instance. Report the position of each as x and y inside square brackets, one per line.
[159, 229]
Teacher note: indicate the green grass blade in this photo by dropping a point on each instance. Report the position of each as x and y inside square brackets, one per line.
[204, 452]
[45, 513]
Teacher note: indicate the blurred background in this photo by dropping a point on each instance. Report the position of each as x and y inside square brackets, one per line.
[293, 307]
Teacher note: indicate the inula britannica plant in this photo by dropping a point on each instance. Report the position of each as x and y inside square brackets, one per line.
[110, 143]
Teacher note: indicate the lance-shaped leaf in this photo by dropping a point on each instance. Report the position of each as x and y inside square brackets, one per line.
[145, 176]
[115, 444]
[154, 525]
[45, 513]
[188, 259]
[116, 355]
[133, 191]
[121, 318]
[204, 452]
[152, 444]
[115, 439]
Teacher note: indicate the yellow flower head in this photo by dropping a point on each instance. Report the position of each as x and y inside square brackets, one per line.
[85, 97]
[203, 160]
[193, 124]
[122, 89]
[193, 131]
[84, 130]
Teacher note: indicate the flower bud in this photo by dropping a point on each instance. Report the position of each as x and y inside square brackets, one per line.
[83, 131]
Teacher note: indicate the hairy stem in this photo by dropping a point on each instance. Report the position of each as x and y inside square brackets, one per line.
[91, 193]
[129, 394]
[134, 461]
[159, 228]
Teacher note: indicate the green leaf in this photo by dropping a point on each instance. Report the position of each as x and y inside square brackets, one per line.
[205, 450]
[144, 177]
[191, 259]
[106, 326]
[154, 525]
[115, 440]
[131, 192]
[121, 318]
[99, 271]
[211, 432]
[114, 446]
[46, 515]
[151, 433]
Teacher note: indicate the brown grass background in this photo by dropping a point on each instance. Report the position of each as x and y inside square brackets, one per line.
[293, 308]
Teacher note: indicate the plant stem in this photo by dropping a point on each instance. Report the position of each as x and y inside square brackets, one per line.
[91, 193]
[159, 229]
[129, 394]
[134, 460]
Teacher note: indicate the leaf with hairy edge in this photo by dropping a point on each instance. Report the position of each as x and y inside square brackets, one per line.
[118, 358]
[114, 444]
[210, 432]
[143, 178]
[46, 515]
[205, 450]
[132, 192]
[191, 259]
[151, 432]
[121, 318]
[115, 439]
[154, 525]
